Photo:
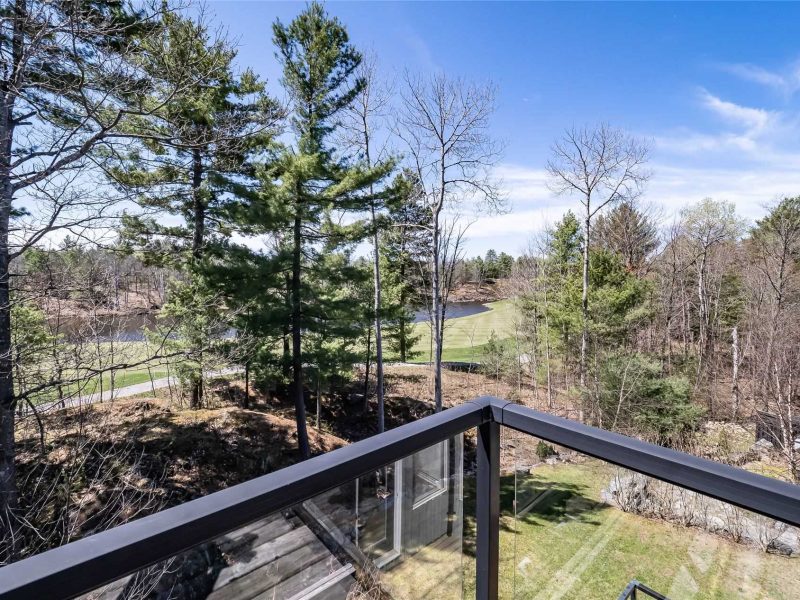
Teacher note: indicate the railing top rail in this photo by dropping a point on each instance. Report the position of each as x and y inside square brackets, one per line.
[91, 562]
[764, 495]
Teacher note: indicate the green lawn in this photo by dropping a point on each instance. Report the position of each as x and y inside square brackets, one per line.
[571, 545]
[465, 337]
[108, 354]
[124, 378]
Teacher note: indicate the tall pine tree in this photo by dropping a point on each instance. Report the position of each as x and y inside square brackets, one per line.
[319, 73]
[405, 244]
[195, 162]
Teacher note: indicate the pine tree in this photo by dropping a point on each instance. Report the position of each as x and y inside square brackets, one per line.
[319, 73]
[491, 268]
[505, 264]
[404, 247]
[195, 162]
[629, 232]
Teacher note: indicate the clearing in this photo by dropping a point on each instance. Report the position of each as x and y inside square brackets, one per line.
[465, 337]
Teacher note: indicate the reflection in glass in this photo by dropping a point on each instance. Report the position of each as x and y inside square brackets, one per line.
[396, 531]
[578, 527]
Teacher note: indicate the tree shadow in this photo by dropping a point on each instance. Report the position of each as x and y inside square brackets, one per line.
[106, 467]
[540, 501]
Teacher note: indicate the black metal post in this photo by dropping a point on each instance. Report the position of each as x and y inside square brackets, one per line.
[487, 491]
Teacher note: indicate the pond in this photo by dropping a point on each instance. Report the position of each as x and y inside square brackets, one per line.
[454, 310]
[118, 328]
[132, 328]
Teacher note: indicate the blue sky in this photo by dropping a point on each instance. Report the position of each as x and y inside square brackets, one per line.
[714, 87]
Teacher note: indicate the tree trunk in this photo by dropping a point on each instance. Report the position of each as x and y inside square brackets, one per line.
[585, 304]
[247, 384]
[198, 235]
[8, 480]
[198, 205]
[366, 369]
[297, 358]
[319, 398]
[8, 484]
[402, 321]
[704, 329]
[773, 330]
[378, 334]
[437, 313]
[286, 364]
[547, 351]
[735, 397]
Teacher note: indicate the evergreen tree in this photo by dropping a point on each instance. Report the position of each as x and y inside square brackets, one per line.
[562, 272]
[490, 266]
[635, 398]
[319, 73]
[195, 162]
[404, 247]
[505, 264]
[629, 232]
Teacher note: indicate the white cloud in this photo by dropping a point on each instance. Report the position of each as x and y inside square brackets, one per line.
[522, 186]
[787, 81]
[526, 222]
[672, 187]
[691, 142]
[751, 134]
[754, 120]
[751, 189]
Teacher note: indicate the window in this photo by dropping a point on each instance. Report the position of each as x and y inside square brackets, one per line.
[429, 473]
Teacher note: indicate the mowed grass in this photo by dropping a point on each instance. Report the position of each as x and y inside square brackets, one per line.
[123, 378]
[107, 354]
[465, 337]
[572, 545]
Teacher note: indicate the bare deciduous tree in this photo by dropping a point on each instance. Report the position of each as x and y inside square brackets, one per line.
[708, 227]
[444, 123]
[69, 89]
[359, 128]
[600, 166]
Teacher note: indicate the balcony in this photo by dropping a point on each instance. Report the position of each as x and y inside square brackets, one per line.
[416, 513]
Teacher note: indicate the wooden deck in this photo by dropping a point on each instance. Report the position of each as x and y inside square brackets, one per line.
[277, 558]
[307, 553]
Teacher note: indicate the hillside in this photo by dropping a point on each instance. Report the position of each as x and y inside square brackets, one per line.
[121, 460]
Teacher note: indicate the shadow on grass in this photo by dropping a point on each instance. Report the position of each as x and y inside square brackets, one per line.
[542, 502]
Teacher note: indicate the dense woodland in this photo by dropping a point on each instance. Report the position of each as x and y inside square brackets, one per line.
[143, 170]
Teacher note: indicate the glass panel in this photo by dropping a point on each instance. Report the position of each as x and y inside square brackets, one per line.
[577, 527]
[395, 532]
[429, 473]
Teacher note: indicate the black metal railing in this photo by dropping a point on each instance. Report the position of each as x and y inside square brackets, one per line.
[89, 563]
[631, 592]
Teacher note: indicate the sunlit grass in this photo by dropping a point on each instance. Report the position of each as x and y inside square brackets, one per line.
[466, 337]
[572, 545]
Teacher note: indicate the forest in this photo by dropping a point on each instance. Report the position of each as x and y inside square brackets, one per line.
[294, 248]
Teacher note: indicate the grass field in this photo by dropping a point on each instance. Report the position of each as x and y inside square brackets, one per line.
[108, 354]
[465, 337]
[572, 545]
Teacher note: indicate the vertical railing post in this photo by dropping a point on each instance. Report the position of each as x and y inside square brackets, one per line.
[487, 490]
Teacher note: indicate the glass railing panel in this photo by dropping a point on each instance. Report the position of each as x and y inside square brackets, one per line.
[577, 527]
[392, 533]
